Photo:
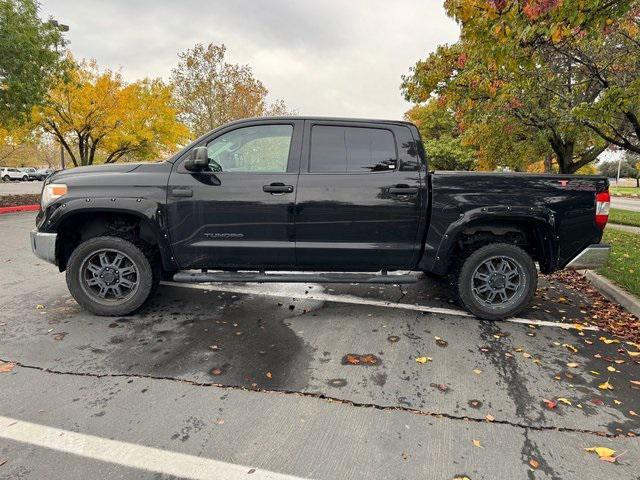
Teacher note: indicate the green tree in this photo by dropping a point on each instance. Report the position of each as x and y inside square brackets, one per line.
[211, 92]
[442, 137]
[629, 167]
[29, 58]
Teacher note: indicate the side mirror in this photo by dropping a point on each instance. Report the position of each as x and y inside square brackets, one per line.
[198, 159]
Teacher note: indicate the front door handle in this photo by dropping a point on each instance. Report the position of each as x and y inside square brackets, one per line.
[181, 192]
[277, 188]
[403, 190]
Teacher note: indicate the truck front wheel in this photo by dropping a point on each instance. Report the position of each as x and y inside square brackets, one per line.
[110, 276]
[497, 281]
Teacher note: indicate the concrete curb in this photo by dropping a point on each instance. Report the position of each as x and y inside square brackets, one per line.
[19, 208]
[614, 293]
[626, 228]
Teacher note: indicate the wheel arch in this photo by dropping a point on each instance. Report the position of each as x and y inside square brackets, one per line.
[76, 224]
[532, 232]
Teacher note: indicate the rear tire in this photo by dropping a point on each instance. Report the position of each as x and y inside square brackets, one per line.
[497, 281]
[110, 276]
[6, 178]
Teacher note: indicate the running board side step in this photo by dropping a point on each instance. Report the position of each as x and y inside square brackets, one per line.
[250, 277]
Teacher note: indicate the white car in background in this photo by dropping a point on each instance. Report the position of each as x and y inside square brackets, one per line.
[9, 173]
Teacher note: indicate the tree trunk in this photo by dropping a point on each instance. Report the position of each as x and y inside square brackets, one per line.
[548, 167]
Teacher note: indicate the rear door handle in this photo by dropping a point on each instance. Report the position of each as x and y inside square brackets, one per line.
[277, 188]
[403, 190]
[181, 192]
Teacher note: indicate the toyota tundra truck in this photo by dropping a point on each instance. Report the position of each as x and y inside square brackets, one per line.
[331, 200]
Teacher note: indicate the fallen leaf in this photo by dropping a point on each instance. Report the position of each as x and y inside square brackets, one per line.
[635, 382]
[550, 403]
[632, 413]
[593, 372]
[601, 451]
[570, 347]
[605, 386]
[39, 306]
[526, 355]
[572, 365]
[423, 359]
[269, 375]
[461, 478]
[609, 459]
[564, 400]
[611, 369]
[633, 354]
[477, 443]
[608, 341]
[6, 367]
[534, 463]
[489, 417]
[617, 402]
[477, 371]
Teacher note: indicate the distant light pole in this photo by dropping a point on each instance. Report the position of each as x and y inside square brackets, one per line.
[61, 27]
[619, 165]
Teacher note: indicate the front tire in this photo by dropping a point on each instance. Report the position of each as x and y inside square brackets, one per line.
[110, 276]
[497, 281]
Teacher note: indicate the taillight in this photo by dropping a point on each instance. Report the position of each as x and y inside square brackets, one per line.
[603, 200]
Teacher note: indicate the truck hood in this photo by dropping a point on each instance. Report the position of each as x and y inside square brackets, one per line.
[98, 169]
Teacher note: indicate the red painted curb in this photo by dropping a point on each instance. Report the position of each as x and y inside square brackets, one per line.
[20, 208]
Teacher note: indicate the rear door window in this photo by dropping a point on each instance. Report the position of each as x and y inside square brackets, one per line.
[337, 149]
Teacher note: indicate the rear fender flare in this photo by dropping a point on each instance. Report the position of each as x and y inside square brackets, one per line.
[542, 218]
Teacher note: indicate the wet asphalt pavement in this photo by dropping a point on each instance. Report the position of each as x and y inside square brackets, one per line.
[262, 376]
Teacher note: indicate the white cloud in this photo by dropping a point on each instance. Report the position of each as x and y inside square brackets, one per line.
[335, 57]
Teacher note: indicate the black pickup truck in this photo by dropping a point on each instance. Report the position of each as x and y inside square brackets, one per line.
[353, 199]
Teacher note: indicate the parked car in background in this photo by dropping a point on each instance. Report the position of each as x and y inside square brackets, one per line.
[43, 173]
[10, 173]
[31, 173]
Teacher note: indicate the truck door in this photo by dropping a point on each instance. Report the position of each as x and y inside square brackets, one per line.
[239, 213]
[359, 197]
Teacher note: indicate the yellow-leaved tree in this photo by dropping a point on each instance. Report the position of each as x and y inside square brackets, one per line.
[99, 118]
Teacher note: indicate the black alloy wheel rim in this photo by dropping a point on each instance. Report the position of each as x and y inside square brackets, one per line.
[109, 276]
[498, 282]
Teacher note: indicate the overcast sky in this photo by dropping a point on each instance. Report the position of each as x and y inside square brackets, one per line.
[327, 57]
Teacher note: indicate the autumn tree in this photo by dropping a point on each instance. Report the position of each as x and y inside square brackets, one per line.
[538, 63]
[211, 92]
[29, 58]
[98, 117]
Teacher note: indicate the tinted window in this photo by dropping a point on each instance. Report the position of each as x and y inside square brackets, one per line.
[262, 148]
[351, 149]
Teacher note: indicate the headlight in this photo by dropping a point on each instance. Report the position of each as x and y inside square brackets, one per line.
[51, 192]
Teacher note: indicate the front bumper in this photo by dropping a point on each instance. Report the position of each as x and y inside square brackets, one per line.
[44, 245]
[594, 256]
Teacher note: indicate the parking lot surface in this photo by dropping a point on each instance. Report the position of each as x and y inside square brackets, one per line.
[304, 381]
[18, 188]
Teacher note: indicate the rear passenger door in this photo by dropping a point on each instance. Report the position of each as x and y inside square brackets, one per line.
[358, 203]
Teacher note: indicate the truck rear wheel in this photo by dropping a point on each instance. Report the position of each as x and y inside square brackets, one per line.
[497, 281]
[110, 276]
